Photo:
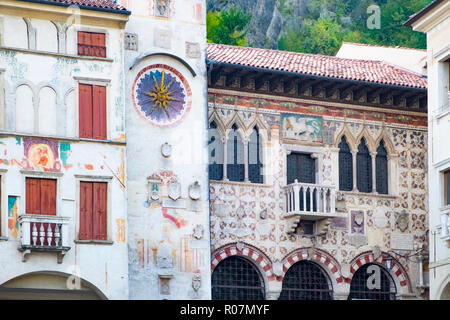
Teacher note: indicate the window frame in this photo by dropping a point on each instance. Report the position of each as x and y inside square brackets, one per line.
[446, 177]
[77, 217]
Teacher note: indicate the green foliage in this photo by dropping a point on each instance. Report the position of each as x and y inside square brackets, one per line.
[227, 27]
[326, 24]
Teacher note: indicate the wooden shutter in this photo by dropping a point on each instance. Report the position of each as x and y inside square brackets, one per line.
[86, 205]
[48, 196]
[84, 42]
[85, 111]
[99, 113]
[99, 44]
[33, 196]
[100, 212]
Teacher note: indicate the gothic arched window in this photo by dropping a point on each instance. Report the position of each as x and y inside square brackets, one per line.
[306, 280]
[215, 148]
[363, 168]
[255, 166]
[235, 156]
[345, 166]
[236, 278]
[372, 282]
[382, 169]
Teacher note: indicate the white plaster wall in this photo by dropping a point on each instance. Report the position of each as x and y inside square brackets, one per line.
[14, 32]
[47, 111]
[46, 35]
[24, 109]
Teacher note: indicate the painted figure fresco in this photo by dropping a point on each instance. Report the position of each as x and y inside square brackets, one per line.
[162, 8]
[41, 155]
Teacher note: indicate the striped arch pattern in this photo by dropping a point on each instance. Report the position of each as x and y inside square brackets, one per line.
[314, 255]
[396, 268]
[247, 251]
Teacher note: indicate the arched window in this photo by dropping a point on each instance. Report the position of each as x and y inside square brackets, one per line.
[255, 166]
[236, 278]
[364, 168]
[372, 282]
[382, 169]
[306, 280]
[215, 148]
[235, 156]
[345, 166]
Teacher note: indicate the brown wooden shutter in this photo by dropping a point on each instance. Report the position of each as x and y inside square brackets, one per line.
[33, 196]
[48, 197]
[85, 232]
[98, 42]
[85, 111]
[84, 41]
[99, 113]
[100, 210]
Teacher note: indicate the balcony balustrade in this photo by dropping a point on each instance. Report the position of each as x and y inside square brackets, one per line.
[43, 233]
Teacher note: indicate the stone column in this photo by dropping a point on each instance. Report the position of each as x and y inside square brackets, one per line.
[245, 143]
[225, 157]
[374, 172]
[354, 154]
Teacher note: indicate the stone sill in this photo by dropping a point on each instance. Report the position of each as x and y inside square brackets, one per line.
[100, 242]
[445, 210]
[442, 113]
[371, 195]
[4, 238]
[56, 54]
[243, 184]
[15, 134]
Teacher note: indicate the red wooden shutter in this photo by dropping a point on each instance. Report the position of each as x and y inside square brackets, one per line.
[98, 42]
[100, 210]
[84, 41]
[85, 111]
[33, 196]
[48, 197]
[85, 232]
[99, 113]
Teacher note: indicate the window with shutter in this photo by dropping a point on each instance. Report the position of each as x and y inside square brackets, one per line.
[447, 188]
[40, 196]
[345, 166]
[92, 112]
[364, 168]
[235, 155]
[93, 211]
[382, 169]
[92, 44]
[215, 148]
[255, 166]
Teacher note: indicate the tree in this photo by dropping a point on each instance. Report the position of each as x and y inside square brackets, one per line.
[227, 27]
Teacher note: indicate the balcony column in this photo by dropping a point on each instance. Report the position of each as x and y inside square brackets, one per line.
[354, 154]
[374, 172]
[296, 189]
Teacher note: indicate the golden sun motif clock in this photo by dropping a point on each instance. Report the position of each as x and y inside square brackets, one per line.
[161, 95]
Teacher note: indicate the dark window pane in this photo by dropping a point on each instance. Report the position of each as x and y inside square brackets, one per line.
[345, 166]
[302, 167]
[215, 153]
[235, 161]
[305, 280]
[447, 187]
[360, 290]
[255, 165]
[382, 169]
[364, 168]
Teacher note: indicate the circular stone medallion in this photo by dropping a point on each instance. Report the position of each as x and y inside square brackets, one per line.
[161, 95]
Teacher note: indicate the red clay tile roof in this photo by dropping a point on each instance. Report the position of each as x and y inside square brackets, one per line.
[85, 4]
[318, 65]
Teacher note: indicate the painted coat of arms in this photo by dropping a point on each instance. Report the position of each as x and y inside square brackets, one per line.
[161, 95]
[302, 127]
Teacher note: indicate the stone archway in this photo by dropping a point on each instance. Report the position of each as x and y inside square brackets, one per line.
[48, 286]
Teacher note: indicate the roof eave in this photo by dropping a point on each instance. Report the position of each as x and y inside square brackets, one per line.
[281, 72]
[83, 7]
[421, 13]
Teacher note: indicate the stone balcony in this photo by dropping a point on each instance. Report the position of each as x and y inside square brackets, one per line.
[308, 202]
[43, 233]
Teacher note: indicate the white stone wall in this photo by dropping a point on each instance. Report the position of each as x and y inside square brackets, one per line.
[39, 101]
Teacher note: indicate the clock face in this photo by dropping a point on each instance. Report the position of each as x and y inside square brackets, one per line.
[161, 95]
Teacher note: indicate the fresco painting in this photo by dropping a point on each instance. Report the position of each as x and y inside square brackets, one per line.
[13, 223]
[303, 128]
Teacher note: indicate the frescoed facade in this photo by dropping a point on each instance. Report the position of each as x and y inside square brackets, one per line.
[318, 177]
[434, 21]
[63, 189]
